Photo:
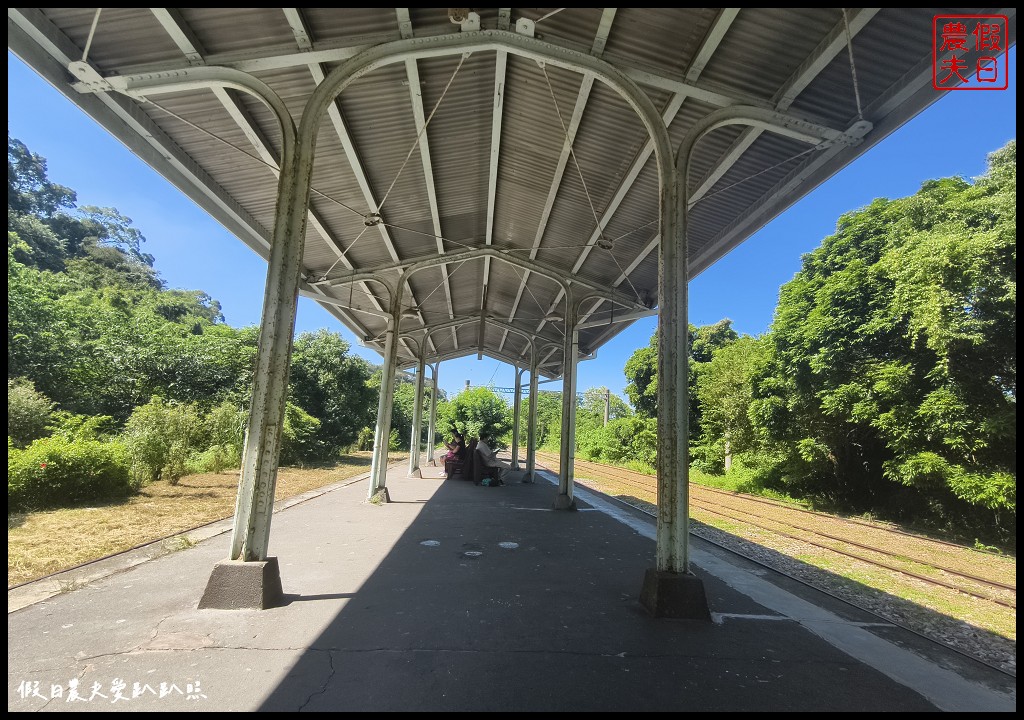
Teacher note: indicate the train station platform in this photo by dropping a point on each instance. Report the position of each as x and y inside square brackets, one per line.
[454, 597]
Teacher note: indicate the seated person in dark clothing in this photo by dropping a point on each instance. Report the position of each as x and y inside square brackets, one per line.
[456, 453]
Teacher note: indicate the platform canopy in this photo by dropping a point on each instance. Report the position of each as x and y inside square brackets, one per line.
[502, 174]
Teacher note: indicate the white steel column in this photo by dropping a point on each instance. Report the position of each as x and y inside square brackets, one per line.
[516, 405]
[254, 505]
[417, 419]
[382, 433]
[673, 396]
[564, 500]
[531, 422]
[432, 423]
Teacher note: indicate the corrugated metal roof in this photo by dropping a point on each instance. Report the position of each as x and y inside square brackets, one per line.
[491, 171]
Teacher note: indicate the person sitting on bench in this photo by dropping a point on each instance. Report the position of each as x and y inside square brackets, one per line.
[490, 465]
[456, 453]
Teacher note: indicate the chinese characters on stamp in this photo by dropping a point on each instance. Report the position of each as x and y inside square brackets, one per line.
[969, 52]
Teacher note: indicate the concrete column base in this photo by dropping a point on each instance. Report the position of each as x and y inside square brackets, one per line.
[668, 594]
[527, 478]
[564, 502]
[236, 584]
[417, 473]
[381, 497]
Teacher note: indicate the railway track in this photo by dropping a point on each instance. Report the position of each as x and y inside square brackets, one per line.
[867, 552]
[961, 583]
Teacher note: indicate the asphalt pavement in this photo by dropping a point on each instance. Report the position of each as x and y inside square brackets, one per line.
[455, 597]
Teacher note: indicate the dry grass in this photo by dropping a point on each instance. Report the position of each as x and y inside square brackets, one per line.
[45, 542]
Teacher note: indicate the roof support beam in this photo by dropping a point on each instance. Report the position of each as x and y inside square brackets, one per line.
[625, 317]
[500, 66]
[627, 184]
[504, 18]
[174, 24]
[497, 40]
[437, 327]
[712, 40]
[323, 98]
[321, 54]
[833, 44]
[302, 39]
[831, 146]
[829, 48]
[416, 97]
[603, 30]
[532, 342]
[466, 352]
[179, 31]
[641, 256]
[773, 200]
[413, 265]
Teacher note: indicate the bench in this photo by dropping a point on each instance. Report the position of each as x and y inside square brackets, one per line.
[482, 470]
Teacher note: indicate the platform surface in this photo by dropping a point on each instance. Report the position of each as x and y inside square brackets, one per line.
[455, 597]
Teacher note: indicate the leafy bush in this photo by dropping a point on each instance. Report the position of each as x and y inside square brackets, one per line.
[225, 425]
[708, 457]
[29, 412]
[160, 437]
[298, 441]
[365, 439]
[82, 427]
[224, 431]
[214, 459]
[57, 472]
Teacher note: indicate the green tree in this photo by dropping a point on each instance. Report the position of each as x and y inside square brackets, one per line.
[333, 386]
[29, 191]
[477, 411]
[593, 402]
[114, 248]
[593, 438]
[33, 202]
[642, 370]
[724, 393]
[88, 321]
[402, 406]
[549, 419]
[299, 432]
[890, 379]
[39, 346]
[642, 373]
[224, 437]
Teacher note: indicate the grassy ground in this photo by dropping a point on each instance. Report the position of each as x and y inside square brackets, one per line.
[45, 542]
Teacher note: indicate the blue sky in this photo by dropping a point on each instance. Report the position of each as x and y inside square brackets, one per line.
[192, 251]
